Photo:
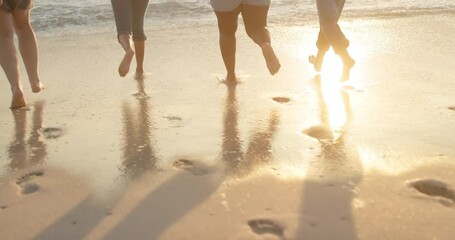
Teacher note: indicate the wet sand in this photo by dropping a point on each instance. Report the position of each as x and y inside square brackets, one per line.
[293, 156]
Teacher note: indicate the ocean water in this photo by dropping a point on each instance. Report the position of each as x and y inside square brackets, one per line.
[61, 16]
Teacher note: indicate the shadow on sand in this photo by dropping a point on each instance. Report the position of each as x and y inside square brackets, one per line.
[174, 198]
[329, 188]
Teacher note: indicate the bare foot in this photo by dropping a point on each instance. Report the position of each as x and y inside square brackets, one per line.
[348, 63]
[316, 61]
[124, 66]
[18, 100]
[37, 86]
[230, 78]
[273, 64]
[140, 75]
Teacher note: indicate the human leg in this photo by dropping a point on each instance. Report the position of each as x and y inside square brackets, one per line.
[139, 9]
[227, 26]
[323, 46]
[329, 13]
[27, 45]
[9, 61]
[255, 19]
[122, 15]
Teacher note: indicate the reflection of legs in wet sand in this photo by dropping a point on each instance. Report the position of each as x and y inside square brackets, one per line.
[18, 147]
[138, 153]
[259, 146]
[129, 20]
[328, 188]
[32, 151]
[37, 147]
[330, 34]
[18, 20]
[255, 19]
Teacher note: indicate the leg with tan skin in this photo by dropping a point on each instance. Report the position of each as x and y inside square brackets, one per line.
[126, 42]
[28, 46]
[227, 26]
[255, 19]
[9, 60]
[323, 46]
[139, 47]
[139, 8]
[329, 12]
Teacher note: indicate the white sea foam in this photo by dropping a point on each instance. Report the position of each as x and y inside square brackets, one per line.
[96, 15]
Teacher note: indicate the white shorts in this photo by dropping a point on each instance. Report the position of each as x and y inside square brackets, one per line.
[230, 5]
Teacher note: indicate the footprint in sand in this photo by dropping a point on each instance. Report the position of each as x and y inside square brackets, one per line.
[189, 166]
[52, 133]
[452, 108]
[319, 132]
[175, 121]
[26, 187]
[435, 188]
[266, 226]
[281, 99]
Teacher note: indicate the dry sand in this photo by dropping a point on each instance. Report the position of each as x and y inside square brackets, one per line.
[196, 159]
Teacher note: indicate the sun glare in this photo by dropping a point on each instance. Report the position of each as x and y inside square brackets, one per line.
[332, 95]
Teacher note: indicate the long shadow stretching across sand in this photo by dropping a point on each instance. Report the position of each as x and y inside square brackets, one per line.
[329, 188]
[139, 157]
[174, 198]
[166, 205]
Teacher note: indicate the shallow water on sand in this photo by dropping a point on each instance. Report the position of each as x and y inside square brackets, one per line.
[386, 118]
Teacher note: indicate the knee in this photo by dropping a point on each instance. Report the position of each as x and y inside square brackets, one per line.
[258, 34]
[251, 32]
[228, 31]
[21, 26]
[227, 35]
[327, 25]
[139, 36]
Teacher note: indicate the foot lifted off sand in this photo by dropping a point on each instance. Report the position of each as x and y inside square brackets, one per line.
[273, 64]
[124, 66]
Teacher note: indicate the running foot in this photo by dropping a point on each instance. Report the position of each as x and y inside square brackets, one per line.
[140, 75]
[347, 65]
[273, 64]
[124, 67]
[18, 100]
[37, 86]
[230, 78]
[316, 61]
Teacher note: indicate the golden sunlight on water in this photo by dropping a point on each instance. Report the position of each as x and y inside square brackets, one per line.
[333, 99]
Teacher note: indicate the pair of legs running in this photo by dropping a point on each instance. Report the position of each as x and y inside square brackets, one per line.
[15, 18]
[330, 34]
[255, 20]
[129, 20]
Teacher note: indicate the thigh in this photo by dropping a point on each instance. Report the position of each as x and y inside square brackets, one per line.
[139, 8]
[228, 21]
[328, 10]
[255, 16]
[122, 15]
[21, 17]
[6, 25]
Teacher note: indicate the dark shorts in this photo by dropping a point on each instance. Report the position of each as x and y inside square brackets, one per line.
[11, 5]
